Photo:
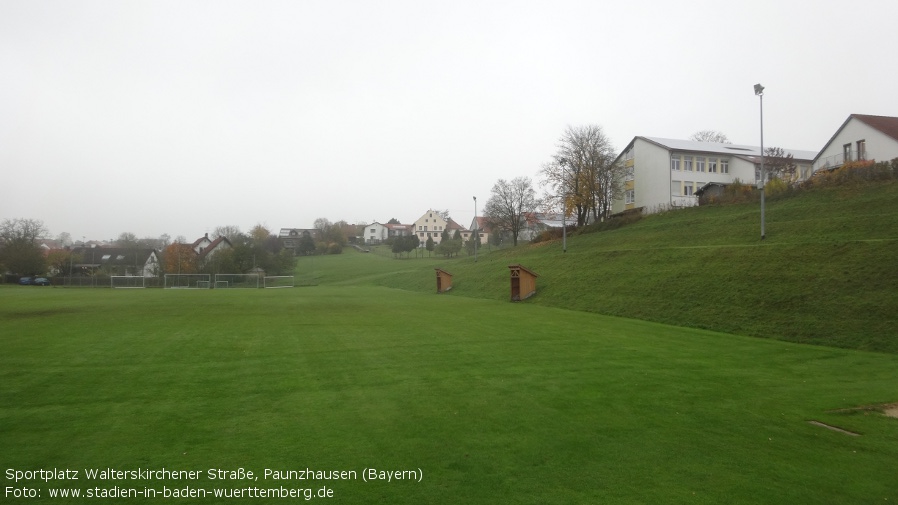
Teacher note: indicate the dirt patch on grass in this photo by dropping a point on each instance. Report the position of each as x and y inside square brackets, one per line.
[834, 428]
[890, 410]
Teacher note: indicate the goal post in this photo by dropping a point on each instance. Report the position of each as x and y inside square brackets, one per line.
[127, 281]
[237, 281]
[187, 281]
[279, 281]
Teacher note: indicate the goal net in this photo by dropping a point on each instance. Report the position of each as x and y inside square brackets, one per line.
[188, 281]
[127, 281]
[237, 281]
[279, 281]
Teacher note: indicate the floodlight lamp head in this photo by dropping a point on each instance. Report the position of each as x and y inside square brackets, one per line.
[759, 90]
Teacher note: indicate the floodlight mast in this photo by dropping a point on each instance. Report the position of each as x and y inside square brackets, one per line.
[759, 91]
[562, 162]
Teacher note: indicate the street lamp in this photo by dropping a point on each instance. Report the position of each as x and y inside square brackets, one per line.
[562, 162]
[759, 90]
[476, 236]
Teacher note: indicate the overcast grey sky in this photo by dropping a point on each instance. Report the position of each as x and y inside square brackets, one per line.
[175, 117]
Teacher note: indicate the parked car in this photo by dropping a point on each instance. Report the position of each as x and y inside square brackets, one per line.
[25, 281]
[41, 281]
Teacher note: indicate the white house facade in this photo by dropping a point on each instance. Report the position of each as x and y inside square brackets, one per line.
[375, 233]
[430, 225]
[861, 137]
[665, 173]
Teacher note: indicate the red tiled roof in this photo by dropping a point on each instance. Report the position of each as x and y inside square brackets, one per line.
[200, 240]
[452, 225]
[885, 124]
[215, 243]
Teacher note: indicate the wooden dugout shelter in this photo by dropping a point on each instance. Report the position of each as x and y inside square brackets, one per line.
[444, 280]
[523, 282]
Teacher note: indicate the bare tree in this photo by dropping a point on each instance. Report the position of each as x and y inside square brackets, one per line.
[331, 233]
[127, 239]
[25, 230]
[582, 175]
[64, 238]
[509, 205]
[710, 136]
[19, 251]
[227, 231]
[779, 164]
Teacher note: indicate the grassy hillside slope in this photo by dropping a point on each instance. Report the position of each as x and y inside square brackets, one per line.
[826, 274]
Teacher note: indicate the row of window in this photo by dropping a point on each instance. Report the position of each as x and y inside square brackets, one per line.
[687, 188]
[434, 234]
[699, 164]
[424, 228]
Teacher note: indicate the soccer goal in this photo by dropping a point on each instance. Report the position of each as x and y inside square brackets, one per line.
[279, 281]
[127, 281]
[188, 281]
[236, 281]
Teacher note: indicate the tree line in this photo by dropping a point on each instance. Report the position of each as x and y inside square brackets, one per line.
[581, 180]
[21, 253]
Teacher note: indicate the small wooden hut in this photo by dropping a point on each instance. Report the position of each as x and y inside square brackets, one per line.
[523, 282]
[444, 280]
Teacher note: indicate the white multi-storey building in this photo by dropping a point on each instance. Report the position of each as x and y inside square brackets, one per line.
[664, 173]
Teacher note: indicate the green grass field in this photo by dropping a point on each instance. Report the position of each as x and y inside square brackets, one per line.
[477, 399]
[493, 402]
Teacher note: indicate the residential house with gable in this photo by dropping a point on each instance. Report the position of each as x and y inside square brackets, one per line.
[116, 261]
[206, 249]
[430, 225]
[666, 173]
[482, 225]
[399, 230]
[861, 137]
[201, 243]
[375, 233]
[291, 237]
[378, 233]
